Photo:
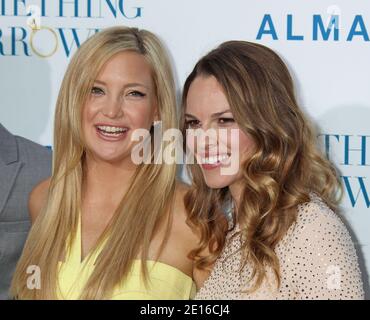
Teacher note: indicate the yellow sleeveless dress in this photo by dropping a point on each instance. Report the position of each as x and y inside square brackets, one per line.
[165, 282]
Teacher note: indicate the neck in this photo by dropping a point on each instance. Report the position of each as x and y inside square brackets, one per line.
[236, 191]
[104, 180]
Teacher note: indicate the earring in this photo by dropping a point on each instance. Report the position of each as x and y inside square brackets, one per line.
[155, 125]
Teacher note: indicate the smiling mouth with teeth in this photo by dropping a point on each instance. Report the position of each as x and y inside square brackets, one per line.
[214, 159]
[111, 131]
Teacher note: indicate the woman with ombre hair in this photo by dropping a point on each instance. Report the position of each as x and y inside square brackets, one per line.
[105, 227]
[282, 238]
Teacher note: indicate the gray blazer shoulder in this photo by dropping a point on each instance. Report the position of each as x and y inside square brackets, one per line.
[23, 164]
[35, 156]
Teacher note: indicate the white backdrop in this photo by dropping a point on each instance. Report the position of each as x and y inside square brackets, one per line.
[331, 70]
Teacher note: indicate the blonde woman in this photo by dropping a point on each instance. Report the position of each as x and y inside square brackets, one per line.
[105, 227]
[283, 239]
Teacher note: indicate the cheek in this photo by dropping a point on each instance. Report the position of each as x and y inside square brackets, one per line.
[88, 113]
[236, 141]
[90, 110]
[246, 145]
[140, 115]
[190, 143]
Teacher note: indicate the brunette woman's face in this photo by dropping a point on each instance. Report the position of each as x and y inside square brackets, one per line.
[208, 108]
[122, 99]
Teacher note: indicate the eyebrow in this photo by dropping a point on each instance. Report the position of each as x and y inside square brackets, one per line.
[99, 81]
[129, 85]
[213, 115]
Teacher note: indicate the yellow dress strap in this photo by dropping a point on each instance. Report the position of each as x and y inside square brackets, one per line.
[165, 281]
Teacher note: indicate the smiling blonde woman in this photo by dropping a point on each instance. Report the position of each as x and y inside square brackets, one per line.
[103, 226]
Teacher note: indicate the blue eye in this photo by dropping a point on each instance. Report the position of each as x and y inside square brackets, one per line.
[136, 93]
[97, 91]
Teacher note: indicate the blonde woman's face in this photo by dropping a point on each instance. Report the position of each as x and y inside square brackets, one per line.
[122, 99]
[207, 108]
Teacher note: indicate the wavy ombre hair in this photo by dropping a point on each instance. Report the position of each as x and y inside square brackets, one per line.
[147, 201]
[284, 168]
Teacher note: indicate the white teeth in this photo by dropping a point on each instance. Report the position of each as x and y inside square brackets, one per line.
[111, 129]
[214, 159]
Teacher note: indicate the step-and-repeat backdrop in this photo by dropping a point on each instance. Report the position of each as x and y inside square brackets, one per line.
[326, 45]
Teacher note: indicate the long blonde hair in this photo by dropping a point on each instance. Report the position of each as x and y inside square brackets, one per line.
[146, 203]
[285, 167]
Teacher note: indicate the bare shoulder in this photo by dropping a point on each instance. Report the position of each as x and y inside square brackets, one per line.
[37, 198]
[189, 237]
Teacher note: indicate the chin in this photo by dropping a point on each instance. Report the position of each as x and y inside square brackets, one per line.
[218, 182]
[111, 157]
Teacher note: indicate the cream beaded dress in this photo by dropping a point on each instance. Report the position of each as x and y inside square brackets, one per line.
[317, 261]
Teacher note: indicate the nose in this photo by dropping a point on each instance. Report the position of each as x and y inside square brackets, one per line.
[209, 125]
[113, 108]
[206, 139]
